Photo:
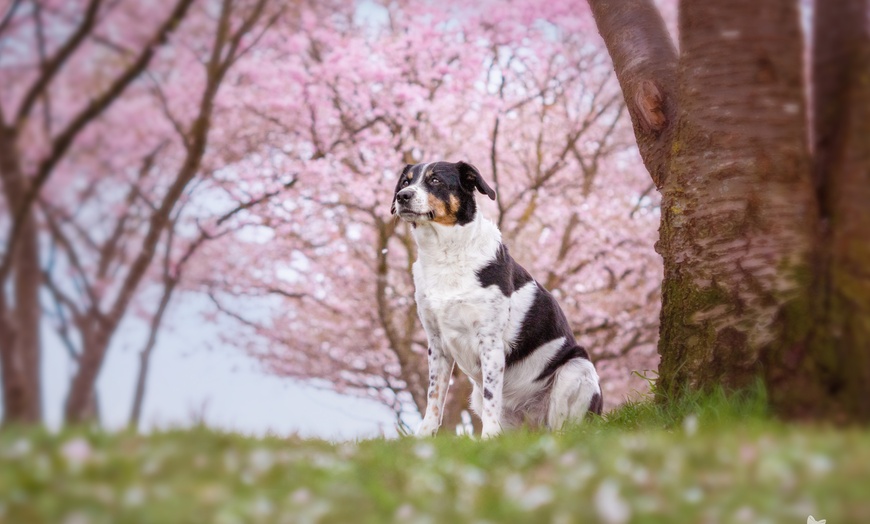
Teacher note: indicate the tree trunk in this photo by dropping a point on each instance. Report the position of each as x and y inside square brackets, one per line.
[28, 312]
[737, 207]
[145, 354]
[829, 374]
[848, 183]
[765, 248]
[20, 350]
[139, 393]
[79, 401]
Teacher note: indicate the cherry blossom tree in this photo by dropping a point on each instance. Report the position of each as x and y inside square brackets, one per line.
[525, 94]
[106, 144]
[756, 136]
[246, 151]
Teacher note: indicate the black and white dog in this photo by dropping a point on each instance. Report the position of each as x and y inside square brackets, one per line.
[484, 312]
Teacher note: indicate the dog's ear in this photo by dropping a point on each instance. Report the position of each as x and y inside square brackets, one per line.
[399, 187]
[472, 180]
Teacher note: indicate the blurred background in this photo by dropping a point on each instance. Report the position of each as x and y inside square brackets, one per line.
[196, 224]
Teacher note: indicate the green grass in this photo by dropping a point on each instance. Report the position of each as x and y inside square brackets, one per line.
[701, 459]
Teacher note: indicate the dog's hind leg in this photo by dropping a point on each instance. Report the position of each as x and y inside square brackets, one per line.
[575, 391]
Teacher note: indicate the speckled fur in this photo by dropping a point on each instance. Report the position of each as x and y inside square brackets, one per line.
[477, 326]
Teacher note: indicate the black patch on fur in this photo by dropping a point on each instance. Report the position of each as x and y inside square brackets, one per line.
[503, 272]
[544, 322]
[562, 356]
[472, 179]
[596, 404]
[487, 394]
[451, 185]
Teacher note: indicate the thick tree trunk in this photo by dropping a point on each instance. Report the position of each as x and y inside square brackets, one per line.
[730, 159]
[829, 374]
[738, 233]
[28, 312]
[848, 311]
[766, 253]
[19, 326]
[737, 207]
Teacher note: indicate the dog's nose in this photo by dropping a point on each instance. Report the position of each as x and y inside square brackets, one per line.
[403, 197]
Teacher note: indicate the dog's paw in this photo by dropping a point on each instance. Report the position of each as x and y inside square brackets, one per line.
[426, 429]
[490, 431]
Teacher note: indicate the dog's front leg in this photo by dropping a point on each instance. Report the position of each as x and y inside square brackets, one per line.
[492, 362]
[440, 369]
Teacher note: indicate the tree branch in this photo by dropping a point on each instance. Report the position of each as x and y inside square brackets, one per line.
[53, 65]
[62, 142]
[645, 61]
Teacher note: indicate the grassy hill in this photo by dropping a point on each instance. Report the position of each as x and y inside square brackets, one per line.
[702, 460]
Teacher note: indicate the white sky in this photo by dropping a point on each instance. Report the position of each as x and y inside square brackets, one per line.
[189, 379]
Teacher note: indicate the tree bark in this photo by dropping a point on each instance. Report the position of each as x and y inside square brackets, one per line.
[739, 233]
[412, 365]
[19, 322]
[848, 193]
[645, 62]
[737, 207]
[828, 375]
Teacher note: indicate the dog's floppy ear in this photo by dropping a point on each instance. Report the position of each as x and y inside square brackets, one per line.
[398, 187]
[472, 180]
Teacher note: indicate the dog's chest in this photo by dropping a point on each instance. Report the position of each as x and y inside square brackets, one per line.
[457, 310]
[453, 305]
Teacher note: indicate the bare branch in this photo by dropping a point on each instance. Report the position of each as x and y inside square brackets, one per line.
[110, 247]
[61, 300]
[40, 44]
[237, 317]
[72, 255]
[164, 105]
[640, 199]
[7, 17]
[53, 65]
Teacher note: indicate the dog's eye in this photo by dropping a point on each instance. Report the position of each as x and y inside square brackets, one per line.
[435, 181]
[405, 182]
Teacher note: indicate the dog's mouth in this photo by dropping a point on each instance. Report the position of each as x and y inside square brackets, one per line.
[413, 216]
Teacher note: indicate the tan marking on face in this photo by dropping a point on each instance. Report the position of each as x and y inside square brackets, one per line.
[443, 214]
[454, 205]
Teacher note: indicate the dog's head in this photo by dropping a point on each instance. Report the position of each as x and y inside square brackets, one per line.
[441, 192]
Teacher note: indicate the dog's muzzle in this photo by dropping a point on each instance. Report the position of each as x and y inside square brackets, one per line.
[409, 205]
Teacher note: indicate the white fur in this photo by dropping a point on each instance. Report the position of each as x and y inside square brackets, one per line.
[574, 385]
[475, 327]
[453, 308]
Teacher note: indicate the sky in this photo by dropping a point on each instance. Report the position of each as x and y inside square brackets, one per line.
[194, 377]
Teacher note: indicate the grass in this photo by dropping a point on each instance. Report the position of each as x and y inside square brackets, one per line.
[703, 459]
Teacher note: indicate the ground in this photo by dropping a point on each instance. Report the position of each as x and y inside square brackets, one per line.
[707, 459]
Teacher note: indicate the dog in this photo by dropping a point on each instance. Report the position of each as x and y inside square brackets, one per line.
[483, 312]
